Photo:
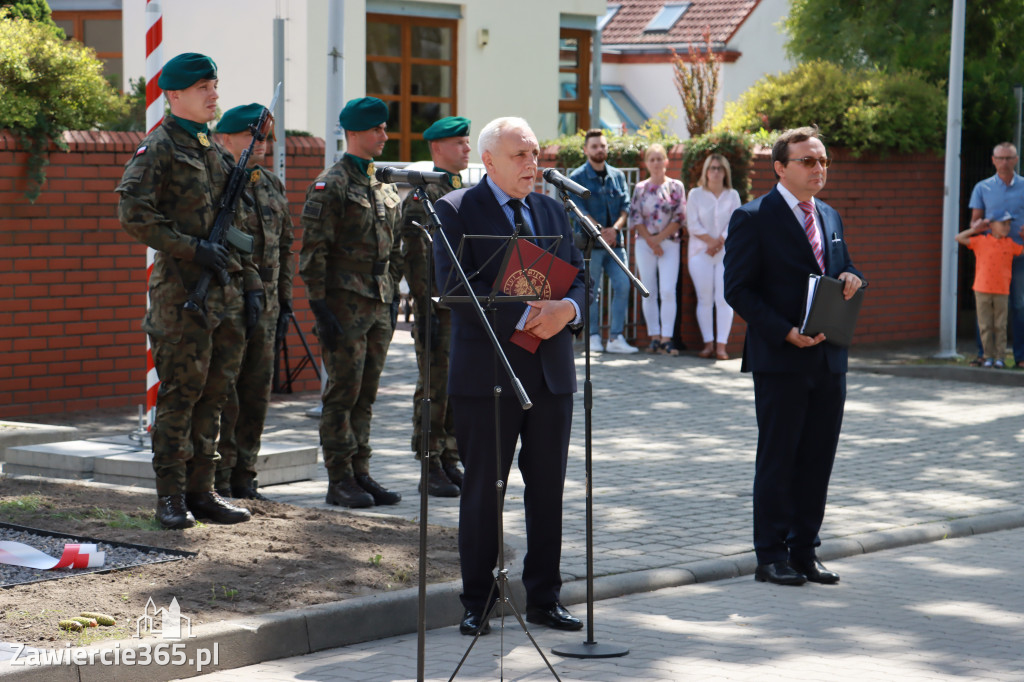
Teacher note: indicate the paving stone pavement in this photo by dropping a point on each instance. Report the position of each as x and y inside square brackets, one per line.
[673, 450]
[915, 613]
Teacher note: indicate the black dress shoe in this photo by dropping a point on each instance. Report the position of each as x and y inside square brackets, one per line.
[471, 622]
[438, 484]
[173, 513]
[453, 472]
[780, 573]
[348, 493]
[815, 571]
[245, 493]
[381, 495]
[554, 616]
[211, 506]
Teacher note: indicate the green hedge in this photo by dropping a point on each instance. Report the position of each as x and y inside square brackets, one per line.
[624, 151]
[859, 109]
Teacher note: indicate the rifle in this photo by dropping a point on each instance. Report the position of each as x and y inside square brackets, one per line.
[223, 231]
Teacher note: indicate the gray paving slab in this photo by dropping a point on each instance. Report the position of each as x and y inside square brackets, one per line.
[914, 613]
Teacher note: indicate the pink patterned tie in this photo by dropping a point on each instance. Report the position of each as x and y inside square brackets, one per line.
[812, 232]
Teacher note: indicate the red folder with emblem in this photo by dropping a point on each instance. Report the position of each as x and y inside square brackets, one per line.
[533, 272]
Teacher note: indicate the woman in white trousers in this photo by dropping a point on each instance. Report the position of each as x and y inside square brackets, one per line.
[658, 212]
[708, 210]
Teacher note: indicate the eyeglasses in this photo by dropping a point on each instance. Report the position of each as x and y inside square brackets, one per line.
[715, 168]
[812, 161]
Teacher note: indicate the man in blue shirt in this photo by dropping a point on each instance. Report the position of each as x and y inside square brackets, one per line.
[608, 206]
[1000, 194]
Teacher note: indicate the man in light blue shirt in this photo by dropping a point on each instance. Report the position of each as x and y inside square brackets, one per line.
[1000, 194]
[608, 206]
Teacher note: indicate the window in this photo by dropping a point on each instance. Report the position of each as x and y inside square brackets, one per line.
[100, 30]
[573, 80]
[668, 16]
[411, 65]
[619, 111]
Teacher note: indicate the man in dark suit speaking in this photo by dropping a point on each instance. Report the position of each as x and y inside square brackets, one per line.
[774, 243]
[502, 202]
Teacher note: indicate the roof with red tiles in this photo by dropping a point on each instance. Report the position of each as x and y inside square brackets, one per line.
[722, 17]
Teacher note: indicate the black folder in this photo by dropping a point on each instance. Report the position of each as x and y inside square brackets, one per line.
[827, 312]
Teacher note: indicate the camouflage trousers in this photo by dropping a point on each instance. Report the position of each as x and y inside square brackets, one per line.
[441, 446]
[353, 374]
[241, 422]
[198, 367]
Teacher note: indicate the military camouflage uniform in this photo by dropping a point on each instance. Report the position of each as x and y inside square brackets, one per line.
[350, 258]
[442, 446]
[241, 424]
[169, 195]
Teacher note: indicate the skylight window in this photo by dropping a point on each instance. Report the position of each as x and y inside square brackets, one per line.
[667, 17]
[608, 15]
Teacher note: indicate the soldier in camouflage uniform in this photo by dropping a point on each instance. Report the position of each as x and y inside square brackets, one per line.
[350, 262]
[449, 149]
[241, 424]
[169, 195]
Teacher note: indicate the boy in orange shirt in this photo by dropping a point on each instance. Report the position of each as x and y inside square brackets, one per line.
[993, 254]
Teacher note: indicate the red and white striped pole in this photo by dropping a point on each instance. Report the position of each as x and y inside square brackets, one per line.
[154, 115]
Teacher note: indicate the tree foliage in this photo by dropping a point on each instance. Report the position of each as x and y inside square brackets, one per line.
[737, 148]
[916, 34]
[858, 108]
[697, 83]
[33, 10]
[48, 86]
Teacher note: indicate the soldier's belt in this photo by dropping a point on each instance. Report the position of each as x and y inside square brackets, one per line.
[363, 267]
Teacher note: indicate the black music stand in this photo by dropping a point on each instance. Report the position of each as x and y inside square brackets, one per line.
[281, 357]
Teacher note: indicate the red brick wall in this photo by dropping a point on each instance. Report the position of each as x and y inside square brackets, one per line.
[892, 214]
[72, 283]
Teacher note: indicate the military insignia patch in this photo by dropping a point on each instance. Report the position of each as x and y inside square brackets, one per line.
[371, 169]
[203, 140]
[319, 185]
[141, 150]
[456, 181]
[312, 209]
[254, 177]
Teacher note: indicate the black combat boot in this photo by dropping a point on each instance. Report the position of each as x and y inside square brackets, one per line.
[246, 492]
[348, 493]
[453, 472]
[381, 495]
[209, 505]
[438, 484]
[172, 513]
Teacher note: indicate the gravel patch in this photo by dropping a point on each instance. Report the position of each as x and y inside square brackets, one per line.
[119, 555]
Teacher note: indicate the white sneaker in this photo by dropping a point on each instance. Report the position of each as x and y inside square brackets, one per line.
[596, 344]
[619, 345]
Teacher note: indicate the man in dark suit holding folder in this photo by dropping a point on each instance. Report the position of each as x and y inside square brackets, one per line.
[774, 244]
[502, 203]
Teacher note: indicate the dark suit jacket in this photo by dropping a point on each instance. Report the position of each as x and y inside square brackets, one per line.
[475, 211]
[767, 261]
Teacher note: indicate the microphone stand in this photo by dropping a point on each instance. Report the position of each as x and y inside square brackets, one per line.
[589, 236]
[501, 579]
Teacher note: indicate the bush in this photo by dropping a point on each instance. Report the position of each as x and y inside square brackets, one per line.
[48, 86]
[624, 151]
[737, 148]
[861, 109]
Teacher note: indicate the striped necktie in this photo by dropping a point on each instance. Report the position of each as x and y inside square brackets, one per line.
[812, 232]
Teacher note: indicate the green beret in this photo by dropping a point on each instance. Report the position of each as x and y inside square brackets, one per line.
[185, 69]
[239, 119]
[363, 113]
[449, 126]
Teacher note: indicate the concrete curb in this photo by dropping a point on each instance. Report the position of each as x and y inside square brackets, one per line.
[252, 640]
[974, 375]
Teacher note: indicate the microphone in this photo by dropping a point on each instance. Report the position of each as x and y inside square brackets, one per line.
[555, 178]
[390, 174]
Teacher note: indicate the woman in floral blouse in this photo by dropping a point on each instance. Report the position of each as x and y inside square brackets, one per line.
[658, 212]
